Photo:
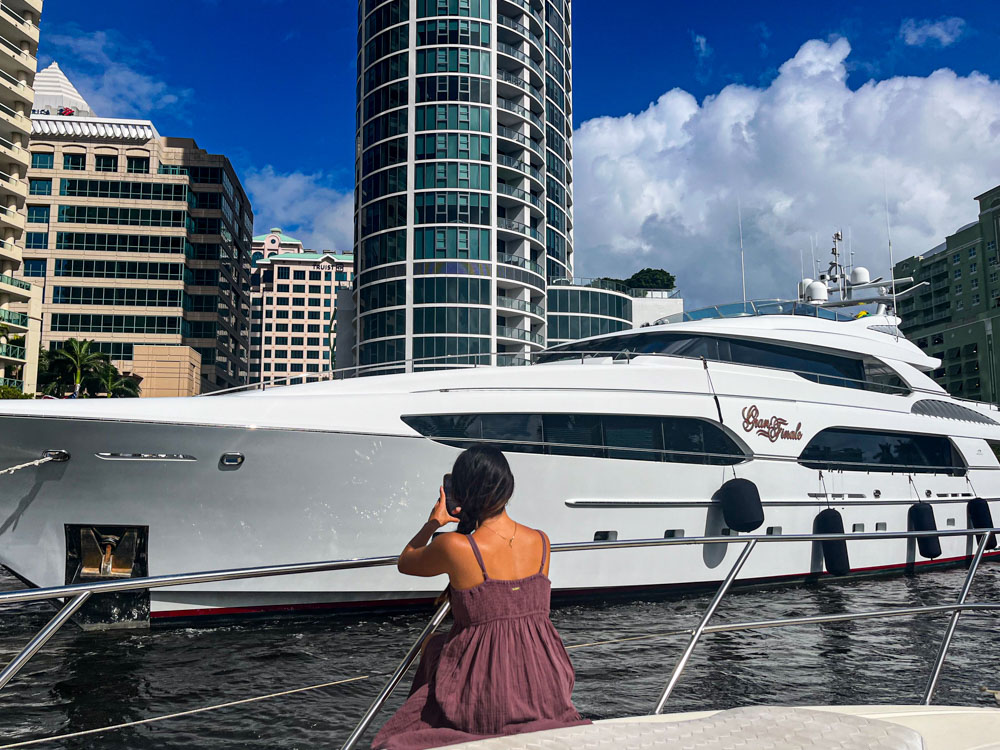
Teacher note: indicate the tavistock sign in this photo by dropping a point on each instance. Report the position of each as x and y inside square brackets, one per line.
[773, 428]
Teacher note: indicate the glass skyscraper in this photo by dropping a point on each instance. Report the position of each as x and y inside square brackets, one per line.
[464, 208]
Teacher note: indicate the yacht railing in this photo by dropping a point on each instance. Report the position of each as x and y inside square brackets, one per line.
[79, 593]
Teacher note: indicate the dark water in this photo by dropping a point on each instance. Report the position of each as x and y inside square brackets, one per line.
[86, 680]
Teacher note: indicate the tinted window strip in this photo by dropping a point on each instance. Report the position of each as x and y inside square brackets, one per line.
[461, 430]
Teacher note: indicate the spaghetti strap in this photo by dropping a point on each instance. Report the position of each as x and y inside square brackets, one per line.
[545, 551]
[479, 557]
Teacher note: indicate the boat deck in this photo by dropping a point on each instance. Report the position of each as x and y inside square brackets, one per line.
[776, 728]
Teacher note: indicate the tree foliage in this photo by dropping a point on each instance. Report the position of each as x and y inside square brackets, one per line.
[80, 369]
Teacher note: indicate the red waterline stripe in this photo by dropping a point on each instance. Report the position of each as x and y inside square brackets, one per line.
[394, 603]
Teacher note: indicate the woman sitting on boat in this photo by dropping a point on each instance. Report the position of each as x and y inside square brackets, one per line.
[502, 669]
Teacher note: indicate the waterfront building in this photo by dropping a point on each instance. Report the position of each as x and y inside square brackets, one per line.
[464, 203]
[293, 308]
[20, 301]
[580, 307]
[137, 239]
[956, 317]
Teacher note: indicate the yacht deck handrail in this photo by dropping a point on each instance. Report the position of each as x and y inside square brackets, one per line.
[81, 592]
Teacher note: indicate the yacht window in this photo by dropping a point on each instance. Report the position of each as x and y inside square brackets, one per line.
[819, 367]
[639, 438]
[843, 449]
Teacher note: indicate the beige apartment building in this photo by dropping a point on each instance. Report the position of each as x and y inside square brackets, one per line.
[293, 320]
[141, 244]
[20, 301]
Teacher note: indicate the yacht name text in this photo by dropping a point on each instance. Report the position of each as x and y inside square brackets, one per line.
[773, 428]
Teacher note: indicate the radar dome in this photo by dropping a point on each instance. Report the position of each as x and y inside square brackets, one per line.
[803, 286]
[860, 275]
[817, 292]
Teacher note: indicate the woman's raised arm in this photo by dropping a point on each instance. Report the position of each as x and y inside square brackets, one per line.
[421, 559]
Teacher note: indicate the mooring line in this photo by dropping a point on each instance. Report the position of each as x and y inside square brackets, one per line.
[98, 730]
[38, 462]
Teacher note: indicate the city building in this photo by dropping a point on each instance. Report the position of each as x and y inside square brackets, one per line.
[20, 301]
[137, 239]
[957, 315]
[293, 308]
[464, 203]
[580, 307]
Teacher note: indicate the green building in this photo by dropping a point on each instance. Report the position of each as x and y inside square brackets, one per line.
[957, 316]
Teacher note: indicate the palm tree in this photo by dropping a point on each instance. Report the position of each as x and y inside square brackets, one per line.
[109, 381]
[81, 359]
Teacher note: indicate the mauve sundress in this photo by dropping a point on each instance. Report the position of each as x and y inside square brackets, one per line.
[501, 669]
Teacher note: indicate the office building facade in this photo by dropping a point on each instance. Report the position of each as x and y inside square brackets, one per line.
[20, 301]
[293, 309]
[464, 208]
[138, 239]
[956, 317]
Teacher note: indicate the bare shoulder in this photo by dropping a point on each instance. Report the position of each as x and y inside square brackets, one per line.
[451, 543]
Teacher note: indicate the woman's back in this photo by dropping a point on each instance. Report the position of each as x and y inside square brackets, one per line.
[521, 554]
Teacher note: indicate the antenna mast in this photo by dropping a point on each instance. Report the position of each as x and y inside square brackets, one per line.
[743, 268]
[888, 234]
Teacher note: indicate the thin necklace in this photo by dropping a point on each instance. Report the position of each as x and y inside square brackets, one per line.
[510, 541]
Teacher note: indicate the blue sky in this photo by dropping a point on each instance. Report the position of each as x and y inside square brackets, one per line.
[271, 85]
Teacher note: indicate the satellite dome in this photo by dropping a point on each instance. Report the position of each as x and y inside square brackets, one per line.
[803, 286]
[817, 292]
[860, 275]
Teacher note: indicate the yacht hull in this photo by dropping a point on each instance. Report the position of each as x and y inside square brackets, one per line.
[306, 495]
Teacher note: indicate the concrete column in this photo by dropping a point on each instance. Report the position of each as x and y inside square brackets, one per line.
[33, 340]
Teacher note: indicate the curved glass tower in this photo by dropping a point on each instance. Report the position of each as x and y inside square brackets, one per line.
[463, 177]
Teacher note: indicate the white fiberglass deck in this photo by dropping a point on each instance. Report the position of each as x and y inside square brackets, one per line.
[776, 728]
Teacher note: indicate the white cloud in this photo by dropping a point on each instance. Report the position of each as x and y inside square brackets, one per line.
[703, 54]
[806, 156]
[304, 205]
[108, 72]
[942, 32]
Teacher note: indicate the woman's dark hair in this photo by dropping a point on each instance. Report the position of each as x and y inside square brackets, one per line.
[482, 483]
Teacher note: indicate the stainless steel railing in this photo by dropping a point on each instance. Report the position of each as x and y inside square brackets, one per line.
[78, 594]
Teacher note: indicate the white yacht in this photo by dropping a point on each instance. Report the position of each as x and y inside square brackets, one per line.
[829, 417]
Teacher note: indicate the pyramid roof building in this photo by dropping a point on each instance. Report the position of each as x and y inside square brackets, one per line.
[55, 95]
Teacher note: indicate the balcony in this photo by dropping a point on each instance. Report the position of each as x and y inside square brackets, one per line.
[21, 290]
[14, 152]
[520, 166]
[10, 251]
[15, 60]
[13, 319]
[16, 88]
[521, 195]
[523, 85]
[521, 29]
[520, 334]
[513, 135]
[11, 218]
[517, 109]
[13, 24]
[11, 383]
[13, 185]
[17, 353]
[514, 52]
[527, 8]
[515, 260]
[516, 226]
[520, 305]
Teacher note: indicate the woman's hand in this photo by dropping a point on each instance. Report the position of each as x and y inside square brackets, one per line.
[440, 514]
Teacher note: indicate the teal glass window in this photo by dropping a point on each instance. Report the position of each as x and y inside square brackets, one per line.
[38, 214]
[465, 8]
[106, 163]
[36, 240]
[453, 117]
[41, 160]
[75, 161]
[34, 267]
[449, 242]
[39, 187]
[137, 165]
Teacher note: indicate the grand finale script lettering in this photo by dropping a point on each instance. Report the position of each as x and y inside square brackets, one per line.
[773, 428]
